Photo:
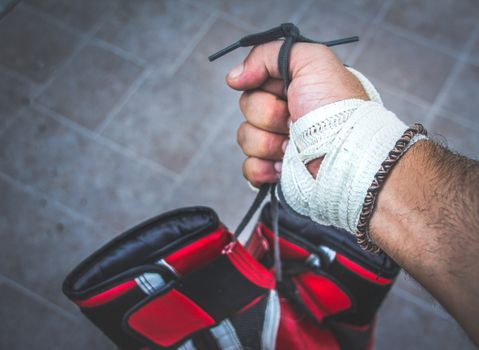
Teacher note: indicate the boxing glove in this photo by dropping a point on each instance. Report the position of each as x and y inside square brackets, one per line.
[172, 282]
[326, 275]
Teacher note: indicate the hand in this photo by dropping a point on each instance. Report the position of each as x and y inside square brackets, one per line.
[318, 78]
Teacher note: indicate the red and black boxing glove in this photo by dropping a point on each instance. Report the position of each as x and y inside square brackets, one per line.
[327, 278]
[180, 281]
[177, 281]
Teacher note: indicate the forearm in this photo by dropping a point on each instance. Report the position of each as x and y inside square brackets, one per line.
[427, 219]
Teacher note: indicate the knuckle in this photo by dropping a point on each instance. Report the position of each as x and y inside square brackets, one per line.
[249, 170]
[267, 112]
[276, 111]
[240, 135]
[273, 110]
[243, 101]
[245, 169]
[256, 174]
[265, 145]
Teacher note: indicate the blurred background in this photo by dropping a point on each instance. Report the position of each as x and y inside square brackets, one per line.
[111, 113]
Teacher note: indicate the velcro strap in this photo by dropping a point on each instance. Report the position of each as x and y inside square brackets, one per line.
[166, 319]
[107, 309]
[321, 295]
[200, 299]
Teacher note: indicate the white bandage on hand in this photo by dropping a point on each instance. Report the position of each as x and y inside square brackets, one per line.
[355, 137]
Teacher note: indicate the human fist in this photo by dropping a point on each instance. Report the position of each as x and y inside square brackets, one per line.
[318, 78]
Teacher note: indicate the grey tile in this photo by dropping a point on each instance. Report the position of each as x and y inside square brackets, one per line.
[363, 8]
[90, 86]
[32, 46]
[325, 20]
[474, 54]
[461, 97]
[217, 179]
[458, 137]
[168, 118]
[404, 64]
[14, 94]
[261, 14]
[82, 15]
[444, 22]
[6, 5]
[30, 324]
[409, 286]
[408, 109]
[41, 243]
[73, 169]
[156, 31]
[405, 325]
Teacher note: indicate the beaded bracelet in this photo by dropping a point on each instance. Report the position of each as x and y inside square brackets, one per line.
[362, 234]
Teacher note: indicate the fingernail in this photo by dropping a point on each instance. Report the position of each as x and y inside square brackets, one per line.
[284, 145]
[277, 166]
[236, 71]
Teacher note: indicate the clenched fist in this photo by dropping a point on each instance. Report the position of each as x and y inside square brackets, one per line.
[318, 78]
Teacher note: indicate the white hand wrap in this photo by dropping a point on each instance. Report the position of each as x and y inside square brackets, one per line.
[355, 137]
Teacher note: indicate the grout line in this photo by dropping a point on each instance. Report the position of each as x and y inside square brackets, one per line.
[198, 156]
[12, 120]
[241, 24]
[84, 39]
[456, 117]
[344, 7]
[299, 14]
[17, 76]
[6, 9]
[469, 47]
[38, 298]
[404, 94]
[149, 71]
[6, 125]
[50, 19]
[186, 52]
[248, 27]
[113, 146]
[119, 52]
[473, 61]
[413, 299]
[32, 86]
[89, 35]
[193, 163]
[42, 87]
[31, 190]
[132, 89]
[376, 21]
[421, 40]
[453, 74]
[190, 47]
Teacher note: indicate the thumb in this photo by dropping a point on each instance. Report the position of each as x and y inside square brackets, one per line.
[260, 65]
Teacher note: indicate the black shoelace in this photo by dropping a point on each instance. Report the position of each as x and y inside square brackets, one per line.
[291, 34]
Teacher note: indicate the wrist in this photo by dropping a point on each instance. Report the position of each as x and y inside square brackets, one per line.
[355, 137]
[307, 91]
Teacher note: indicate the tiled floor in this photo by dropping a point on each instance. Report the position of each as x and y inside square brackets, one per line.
[110, 113]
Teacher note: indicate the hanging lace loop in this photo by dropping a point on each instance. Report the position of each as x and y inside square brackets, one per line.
[291, 34]
[262, 193]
